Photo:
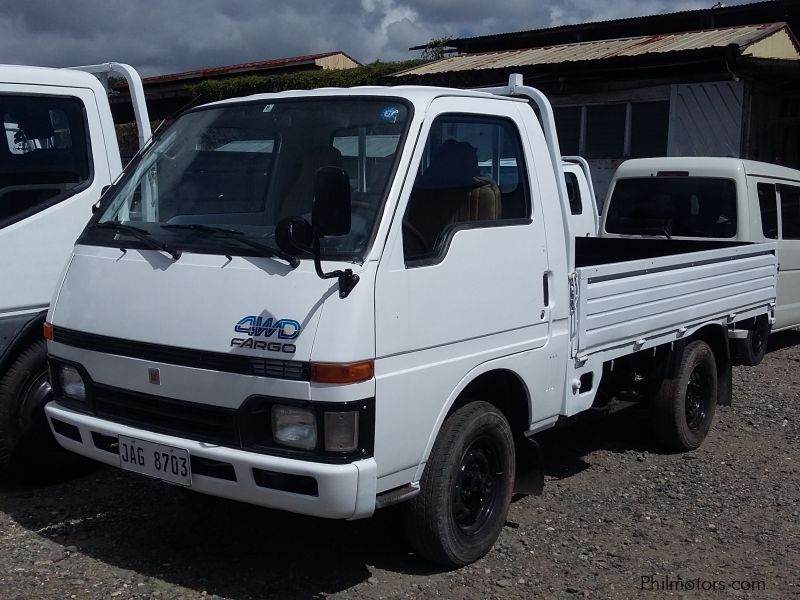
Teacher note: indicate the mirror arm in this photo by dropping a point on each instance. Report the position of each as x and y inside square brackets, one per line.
[347, 279]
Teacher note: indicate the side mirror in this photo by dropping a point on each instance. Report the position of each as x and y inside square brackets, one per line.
[330, 213]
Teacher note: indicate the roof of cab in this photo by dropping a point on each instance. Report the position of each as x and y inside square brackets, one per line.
[707, 166]
[417, 94]
[27, 75]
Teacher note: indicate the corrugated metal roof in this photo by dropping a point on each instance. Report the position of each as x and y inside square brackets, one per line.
[712, 11]
[275, 63]
[602, 49]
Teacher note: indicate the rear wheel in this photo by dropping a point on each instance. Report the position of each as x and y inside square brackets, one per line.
[750, 351]
[684, 406]
[466, 488]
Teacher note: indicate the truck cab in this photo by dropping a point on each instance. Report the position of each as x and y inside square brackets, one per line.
[58, 153]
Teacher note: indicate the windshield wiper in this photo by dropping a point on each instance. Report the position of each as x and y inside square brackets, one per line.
[140, 234]
[239, 236]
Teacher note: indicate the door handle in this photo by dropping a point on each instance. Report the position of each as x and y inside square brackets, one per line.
[546, 287]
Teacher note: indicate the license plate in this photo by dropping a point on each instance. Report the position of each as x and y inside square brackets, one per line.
[156, 460]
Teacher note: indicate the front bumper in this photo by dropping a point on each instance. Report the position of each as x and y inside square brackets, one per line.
[343, 491]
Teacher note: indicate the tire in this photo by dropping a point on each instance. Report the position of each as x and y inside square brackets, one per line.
[28, 451]
[750, 351]
[684, 406]
[466, 488]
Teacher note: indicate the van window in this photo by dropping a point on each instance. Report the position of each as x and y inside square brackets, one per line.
[44, 156]
[769, 210]
[573, 193]
[673, 206]
[790, 211]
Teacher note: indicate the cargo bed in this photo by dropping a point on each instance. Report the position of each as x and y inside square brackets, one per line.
[638, 293]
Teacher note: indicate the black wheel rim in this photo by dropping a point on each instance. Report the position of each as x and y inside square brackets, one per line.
[478, 484]
[698, 398]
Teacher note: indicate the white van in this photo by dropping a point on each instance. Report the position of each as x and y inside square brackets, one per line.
[691, 198]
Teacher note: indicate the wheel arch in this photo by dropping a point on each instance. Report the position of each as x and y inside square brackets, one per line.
[496, 384]
[29, 333]
[716, 336]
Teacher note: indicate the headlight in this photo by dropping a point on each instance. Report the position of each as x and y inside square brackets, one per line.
[295, 427]
[71, 383]
[341, 431]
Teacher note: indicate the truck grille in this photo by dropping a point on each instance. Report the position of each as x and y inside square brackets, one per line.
[164, 415]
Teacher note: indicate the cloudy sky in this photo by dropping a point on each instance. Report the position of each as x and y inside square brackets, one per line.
[166, 36]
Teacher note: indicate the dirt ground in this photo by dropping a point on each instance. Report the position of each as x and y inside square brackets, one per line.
[618, 519]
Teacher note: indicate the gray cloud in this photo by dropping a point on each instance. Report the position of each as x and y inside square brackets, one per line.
[163, 37]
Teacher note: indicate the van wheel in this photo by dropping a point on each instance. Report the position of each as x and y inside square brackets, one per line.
[466, 488]
[28, 451]
[750, 351]
[684, 405]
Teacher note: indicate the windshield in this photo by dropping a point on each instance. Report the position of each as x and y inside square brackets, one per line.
[246, 166]
[673, 206]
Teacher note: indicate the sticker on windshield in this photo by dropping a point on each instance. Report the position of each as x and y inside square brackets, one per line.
[389, 114]
[268, 108]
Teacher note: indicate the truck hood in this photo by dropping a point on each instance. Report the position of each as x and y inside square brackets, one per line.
[254, 306]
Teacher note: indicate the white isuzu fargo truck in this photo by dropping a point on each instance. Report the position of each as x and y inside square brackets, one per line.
[330, 301]
[59, 150]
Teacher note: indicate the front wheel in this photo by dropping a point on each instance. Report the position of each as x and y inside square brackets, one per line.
[684, 406]
[28, 451]
[466, 488]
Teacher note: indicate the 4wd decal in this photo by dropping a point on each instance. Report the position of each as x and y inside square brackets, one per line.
[255, 327]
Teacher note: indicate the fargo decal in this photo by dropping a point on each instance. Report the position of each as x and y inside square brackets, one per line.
[255, 327]
[287, 329]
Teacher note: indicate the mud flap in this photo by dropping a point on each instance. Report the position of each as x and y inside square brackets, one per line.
[529, 476]
[724, 382]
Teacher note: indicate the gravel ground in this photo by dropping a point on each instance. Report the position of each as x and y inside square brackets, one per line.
[615, 512]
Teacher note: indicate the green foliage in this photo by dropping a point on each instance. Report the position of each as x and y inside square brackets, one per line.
[436, 48]
[376, 73]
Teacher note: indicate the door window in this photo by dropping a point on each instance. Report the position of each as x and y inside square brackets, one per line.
[472, 174]
[790, 211]
[769, 210]
[573, 193]
[44, 157]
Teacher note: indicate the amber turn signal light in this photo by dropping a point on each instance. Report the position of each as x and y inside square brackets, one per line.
[48, 331]
[342, 372]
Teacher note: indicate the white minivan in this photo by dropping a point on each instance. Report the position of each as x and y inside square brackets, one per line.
[690, 198]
